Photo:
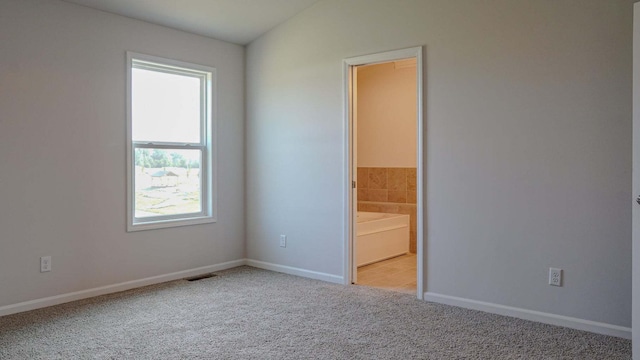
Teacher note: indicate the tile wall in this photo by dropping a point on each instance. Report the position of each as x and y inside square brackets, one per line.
[389, 190]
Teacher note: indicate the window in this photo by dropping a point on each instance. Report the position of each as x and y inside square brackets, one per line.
[170, 147]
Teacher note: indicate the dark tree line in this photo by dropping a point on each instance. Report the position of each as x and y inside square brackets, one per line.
[156, 158]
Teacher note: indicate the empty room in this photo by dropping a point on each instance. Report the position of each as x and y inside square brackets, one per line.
[224, 179]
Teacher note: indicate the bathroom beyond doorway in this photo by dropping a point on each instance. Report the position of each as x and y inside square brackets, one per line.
[385, 148]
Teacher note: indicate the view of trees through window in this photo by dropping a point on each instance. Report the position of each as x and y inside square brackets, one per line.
[155, 158]
[167, 182]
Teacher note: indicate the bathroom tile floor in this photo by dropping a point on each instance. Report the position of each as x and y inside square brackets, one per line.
[397, 274]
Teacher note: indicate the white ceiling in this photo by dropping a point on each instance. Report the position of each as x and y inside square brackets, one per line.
[236, 21]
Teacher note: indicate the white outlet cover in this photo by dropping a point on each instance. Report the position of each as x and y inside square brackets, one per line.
[555, 277]
[45, 264]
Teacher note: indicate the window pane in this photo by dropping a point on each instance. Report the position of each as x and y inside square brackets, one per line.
[165, 107]
[167, 182]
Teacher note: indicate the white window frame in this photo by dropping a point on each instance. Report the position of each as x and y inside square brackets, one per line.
[207, 144]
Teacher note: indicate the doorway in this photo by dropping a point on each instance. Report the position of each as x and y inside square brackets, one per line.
[384, 192]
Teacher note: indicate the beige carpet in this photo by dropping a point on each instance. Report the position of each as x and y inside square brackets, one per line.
[246, 313]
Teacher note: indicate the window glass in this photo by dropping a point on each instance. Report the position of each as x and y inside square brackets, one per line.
[167, 182]
[165, 107]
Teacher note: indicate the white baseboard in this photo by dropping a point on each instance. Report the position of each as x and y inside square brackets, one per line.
[108, 289]
[546, 318]
[296, 271]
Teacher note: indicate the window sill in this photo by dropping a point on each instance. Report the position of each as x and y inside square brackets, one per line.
[162, 224]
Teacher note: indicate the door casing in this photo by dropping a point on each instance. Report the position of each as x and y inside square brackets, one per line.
[635, 208]
[350, 171]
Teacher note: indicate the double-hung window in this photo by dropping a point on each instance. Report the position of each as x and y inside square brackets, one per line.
[170, 143]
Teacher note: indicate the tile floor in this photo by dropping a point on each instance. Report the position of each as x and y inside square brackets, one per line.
[397, 274]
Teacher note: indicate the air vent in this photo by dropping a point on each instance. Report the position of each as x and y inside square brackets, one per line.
[200, 277]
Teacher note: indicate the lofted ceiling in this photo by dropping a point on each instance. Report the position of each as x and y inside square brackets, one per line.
[236, 21]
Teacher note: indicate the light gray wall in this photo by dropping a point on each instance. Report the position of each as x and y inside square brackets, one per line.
[528, 144]
[62, 151]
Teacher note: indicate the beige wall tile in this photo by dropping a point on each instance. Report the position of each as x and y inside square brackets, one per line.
[390, 208]
[411, 179]
[363, 194]
[397, 196]
[377, 195]
[411, 196]
[369, 207]
[363, 178]
[413, 228]
[378, 178]
[397, 179]
[413, 240]
[404, 209]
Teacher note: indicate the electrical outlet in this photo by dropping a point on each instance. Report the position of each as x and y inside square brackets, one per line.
[45, 264]
[283, 240]
[555, 277]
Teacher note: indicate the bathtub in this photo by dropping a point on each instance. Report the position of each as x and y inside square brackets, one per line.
[381, 236]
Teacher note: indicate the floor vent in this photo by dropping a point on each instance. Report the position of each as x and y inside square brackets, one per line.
[200, 277]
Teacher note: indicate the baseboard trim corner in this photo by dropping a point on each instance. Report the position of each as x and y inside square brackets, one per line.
[538, 316]
[108, 289]
[296, 271]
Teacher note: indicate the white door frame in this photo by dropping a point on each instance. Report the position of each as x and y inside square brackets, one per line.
[349, 151]
[635, 209]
